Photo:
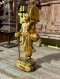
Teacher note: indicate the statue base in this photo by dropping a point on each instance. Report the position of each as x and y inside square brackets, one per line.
[26, 65]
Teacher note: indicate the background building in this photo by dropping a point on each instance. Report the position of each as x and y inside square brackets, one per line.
[49, 21]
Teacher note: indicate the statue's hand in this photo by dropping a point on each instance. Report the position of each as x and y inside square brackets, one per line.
[34, 37]
[17, 34]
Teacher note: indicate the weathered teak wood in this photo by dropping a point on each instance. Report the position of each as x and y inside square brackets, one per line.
[49, 24]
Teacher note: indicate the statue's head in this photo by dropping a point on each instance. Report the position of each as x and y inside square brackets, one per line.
[26, 17]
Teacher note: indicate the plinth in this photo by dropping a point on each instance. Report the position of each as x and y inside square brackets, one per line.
[26, 65]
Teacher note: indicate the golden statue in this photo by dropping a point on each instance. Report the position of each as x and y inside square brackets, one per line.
[29, 34]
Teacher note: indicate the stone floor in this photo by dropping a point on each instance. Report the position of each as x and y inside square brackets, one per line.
[47, 58]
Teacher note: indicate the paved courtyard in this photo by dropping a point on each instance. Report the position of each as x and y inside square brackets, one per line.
[47, 58]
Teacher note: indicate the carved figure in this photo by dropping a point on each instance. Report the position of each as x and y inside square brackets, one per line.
[29, 34]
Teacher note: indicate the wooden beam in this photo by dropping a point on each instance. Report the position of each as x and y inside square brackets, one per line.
[50, 3]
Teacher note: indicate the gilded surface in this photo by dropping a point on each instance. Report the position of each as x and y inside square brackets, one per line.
[28, 31]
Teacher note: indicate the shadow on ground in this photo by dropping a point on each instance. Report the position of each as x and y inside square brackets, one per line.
[47, 59]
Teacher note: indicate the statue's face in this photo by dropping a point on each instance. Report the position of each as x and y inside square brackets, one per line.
[26, 18]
